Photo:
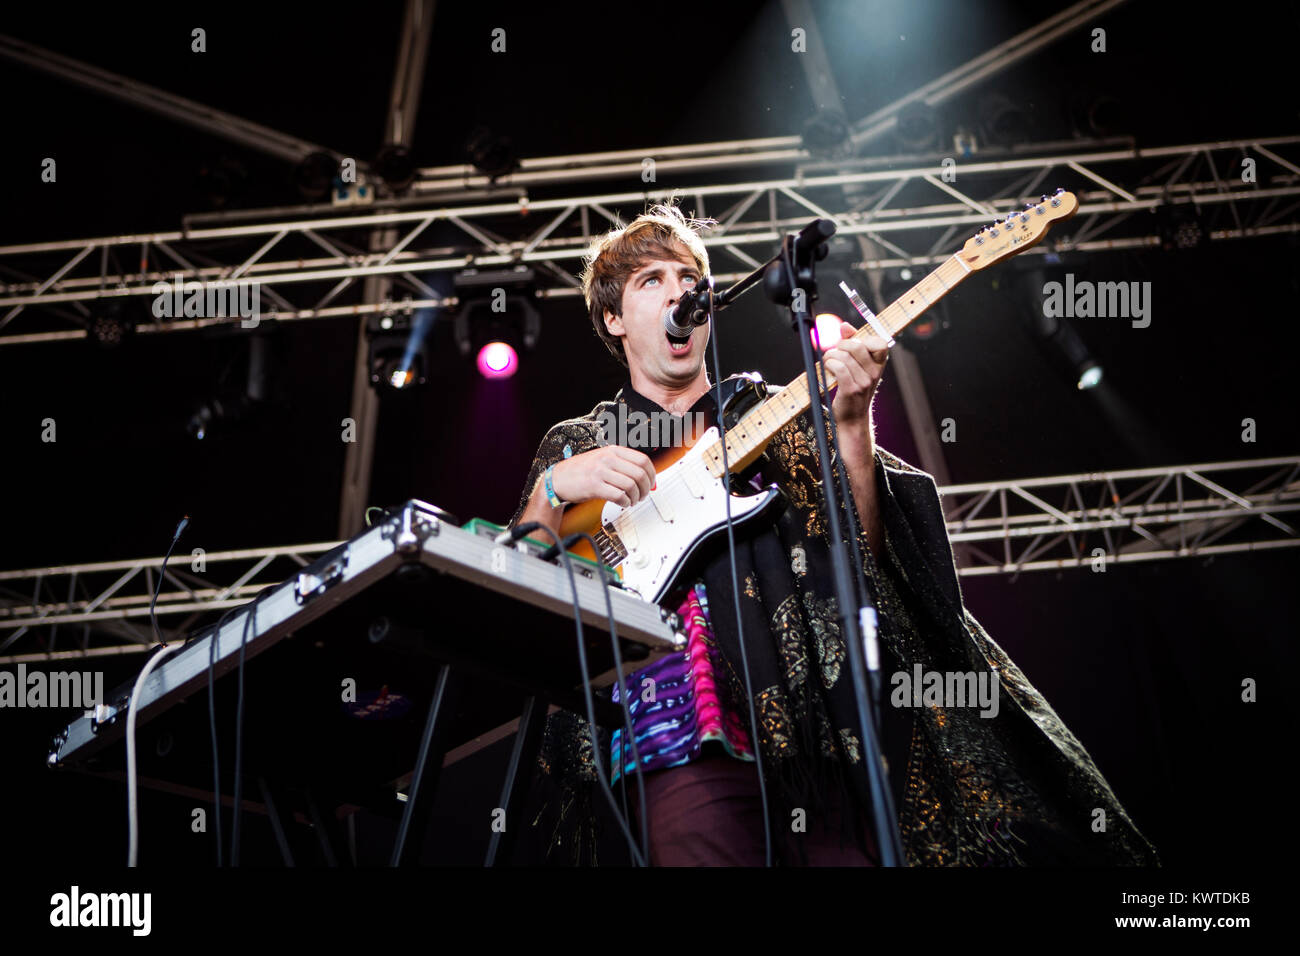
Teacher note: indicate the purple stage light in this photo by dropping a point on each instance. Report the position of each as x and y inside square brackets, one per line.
[826, 333]
[497, 360]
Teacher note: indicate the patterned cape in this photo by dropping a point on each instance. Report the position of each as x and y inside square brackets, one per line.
[971, 787]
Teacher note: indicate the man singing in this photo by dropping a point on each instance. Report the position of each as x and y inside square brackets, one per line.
[973, 784]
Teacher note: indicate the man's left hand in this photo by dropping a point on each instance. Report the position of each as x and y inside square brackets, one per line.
[857, 365]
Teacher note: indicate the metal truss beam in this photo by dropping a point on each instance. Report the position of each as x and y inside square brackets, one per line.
[1117, 517]
[178, 108]
[403, 105]
[1006, 527]
[112, 597]
[910, 210]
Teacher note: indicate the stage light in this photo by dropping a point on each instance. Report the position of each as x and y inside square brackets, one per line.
[1089, 375]
[395, 166]
[498, 360]
[497, 319]
[232, 403]
[219, 413]
[917, 127]
[315, 174]
[1179, 226]
[222, 181]
[826, 133]
[1087, 370]
[492, 155]
[497, 343]
[1067, 349]
[393, 370]
[1002, 121]
[1096, 114]
[826, 331]
[203, 419]
[398, 349]
[109, 325]
[924, 329]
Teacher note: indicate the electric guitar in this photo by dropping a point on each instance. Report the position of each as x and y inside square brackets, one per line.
[659, 540]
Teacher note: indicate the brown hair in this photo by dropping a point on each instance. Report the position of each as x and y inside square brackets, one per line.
[613, 257]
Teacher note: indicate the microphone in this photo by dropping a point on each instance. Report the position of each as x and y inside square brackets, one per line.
[693, 309]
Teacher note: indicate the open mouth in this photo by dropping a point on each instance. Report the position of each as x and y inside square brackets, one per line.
[678, 344]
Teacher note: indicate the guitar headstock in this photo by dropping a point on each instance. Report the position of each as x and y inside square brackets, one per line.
[1018, 231]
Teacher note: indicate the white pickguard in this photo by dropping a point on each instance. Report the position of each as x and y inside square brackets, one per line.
[660, 530]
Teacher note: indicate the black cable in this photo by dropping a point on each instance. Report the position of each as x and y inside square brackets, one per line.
[601, 776]
[627, 706]
[553, 551]
[213, 644]
[735, 594]
[153, 618]
[212, 723]
[249, 618]
[133, 811]
[882, 809]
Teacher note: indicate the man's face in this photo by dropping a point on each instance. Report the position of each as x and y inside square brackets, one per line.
[649, 291]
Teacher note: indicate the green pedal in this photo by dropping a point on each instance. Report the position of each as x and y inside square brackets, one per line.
[535, 546]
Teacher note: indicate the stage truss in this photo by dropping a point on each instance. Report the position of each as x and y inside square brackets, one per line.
[1084, 521]
[308, 264]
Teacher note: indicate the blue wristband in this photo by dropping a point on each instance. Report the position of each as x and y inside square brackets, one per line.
[551, 496]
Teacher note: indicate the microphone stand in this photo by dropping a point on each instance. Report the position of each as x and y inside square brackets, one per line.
[789, 278]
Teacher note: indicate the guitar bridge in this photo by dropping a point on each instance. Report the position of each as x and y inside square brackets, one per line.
[610, 547]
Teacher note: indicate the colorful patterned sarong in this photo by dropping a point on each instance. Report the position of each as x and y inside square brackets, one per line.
[675, 705]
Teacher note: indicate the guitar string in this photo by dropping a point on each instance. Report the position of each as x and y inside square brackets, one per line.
[953, 263]
[673, 481]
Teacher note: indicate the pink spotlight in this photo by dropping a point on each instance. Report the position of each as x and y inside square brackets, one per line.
[497, 360]
[826, 331]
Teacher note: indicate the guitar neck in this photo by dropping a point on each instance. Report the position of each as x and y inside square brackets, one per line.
[746, 439]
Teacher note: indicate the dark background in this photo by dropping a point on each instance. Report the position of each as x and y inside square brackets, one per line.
[1144, 663]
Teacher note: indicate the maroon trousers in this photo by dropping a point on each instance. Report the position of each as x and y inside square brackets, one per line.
[709, 813]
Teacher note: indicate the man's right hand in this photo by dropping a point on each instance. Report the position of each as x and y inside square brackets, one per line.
[611, 472]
